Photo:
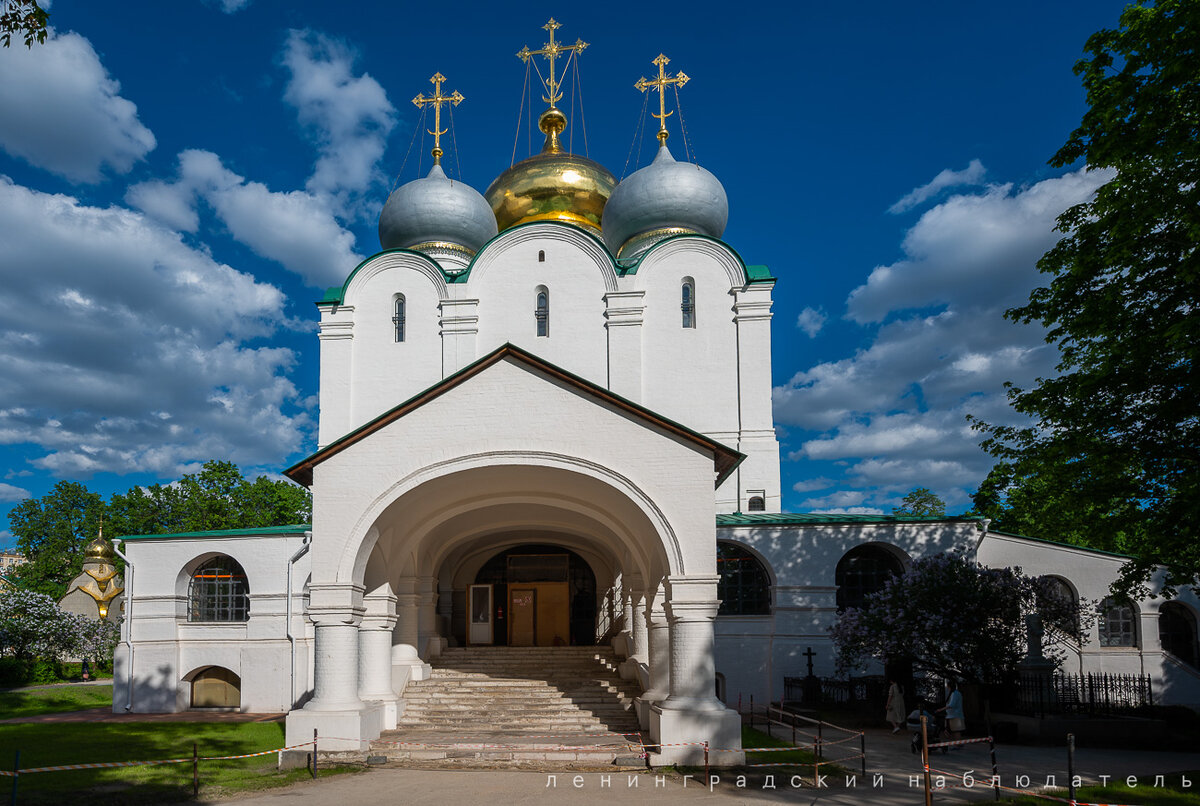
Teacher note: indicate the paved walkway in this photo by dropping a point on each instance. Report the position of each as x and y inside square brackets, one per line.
[887, 754]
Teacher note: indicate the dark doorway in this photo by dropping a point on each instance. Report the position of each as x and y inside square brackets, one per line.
[540, 564]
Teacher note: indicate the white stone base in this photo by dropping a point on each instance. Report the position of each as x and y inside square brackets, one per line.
[721, 729]
[339, 731]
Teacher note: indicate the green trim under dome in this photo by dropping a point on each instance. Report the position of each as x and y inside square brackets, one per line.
[336, 295]
[819, 519]
[260, 531]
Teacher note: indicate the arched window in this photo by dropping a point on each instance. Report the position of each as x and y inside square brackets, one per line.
[541, 311]
[1118, 623]
[541, 256]
[744, 588]
[216, 687]
[218, 591]
[1065, 601]
[398, 316]
[1177, 632]
[756, 504]
[863, 570]
[687, 301]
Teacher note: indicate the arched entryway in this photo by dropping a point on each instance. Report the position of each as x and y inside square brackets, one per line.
[216, 687]
[535, 595]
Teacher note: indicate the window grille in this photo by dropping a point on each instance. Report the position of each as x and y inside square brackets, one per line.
[744, 588]
[862, 571]
[1118, 626]
[687, 295]
[398, 317]
[219, 592]
[542, 312]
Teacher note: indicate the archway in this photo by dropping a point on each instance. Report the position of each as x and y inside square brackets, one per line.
[216, 687]
[541, 595]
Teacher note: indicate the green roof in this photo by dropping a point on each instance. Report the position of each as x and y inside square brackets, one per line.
[816, 518]
[293, 529]
[336, 295]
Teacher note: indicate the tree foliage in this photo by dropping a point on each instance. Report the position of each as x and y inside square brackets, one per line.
[53, 530]
[921, 502]
[1113, 457]
[955, 618]
[25, 18]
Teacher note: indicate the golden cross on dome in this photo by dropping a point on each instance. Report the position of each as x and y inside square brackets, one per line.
[551, 51]
[437, 99]
[660, 84]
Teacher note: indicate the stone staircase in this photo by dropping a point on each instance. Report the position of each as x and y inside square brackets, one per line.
[517, 706]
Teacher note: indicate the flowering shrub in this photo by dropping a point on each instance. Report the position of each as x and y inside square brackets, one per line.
[33, 626]
[955, 618]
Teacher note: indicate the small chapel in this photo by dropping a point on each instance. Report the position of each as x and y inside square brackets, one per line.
[546, 437]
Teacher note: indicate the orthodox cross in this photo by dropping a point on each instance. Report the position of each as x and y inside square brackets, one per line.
[437, 99]
[660, 84]
[551, 51]
[808, 653]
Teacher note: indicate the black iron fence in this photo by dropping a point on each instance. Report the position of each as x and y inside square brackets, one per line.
[854, 691]
[1081, 694]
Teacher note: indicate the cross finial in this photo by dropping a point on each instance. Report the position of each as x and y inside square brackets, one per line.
[660, 84]
[437, 99]
[551, 51]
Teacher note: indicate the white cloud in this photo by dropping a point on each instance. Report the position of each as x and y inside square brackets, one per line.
[971, 175]
[809, 485]
[296, 229]
[811, 320]
[848, 511]
[232, 6]
[112, 322]
[9, 492]
[60, 111]
[838, 499]
[894, 414]
[348, 116]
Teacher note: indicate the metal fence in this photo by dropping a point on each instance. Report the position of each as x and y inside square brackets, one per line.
[1087, 694]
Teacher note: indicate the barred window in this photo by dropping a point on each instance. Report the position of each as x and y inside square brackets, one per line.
[756, 504]
[744, 588]
[219, 592]
[1118, 624]
[687, 295]
[863, 570]
[541, 312]
[1177, 632]
[398, 317]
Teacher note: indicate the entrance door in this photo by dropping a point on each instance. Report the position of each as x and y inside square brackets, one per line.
[480, 630]
[522, 616]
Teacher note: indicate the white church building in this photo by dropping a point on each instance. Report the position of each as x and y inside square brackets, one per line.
[546, 420]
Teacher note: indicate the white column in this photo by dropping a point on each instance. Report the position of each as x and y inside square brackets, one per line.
[624, 313]
[336, 611]
[635, 627]
[658, 653]
[459, 326]
[427, 618]
[406, 661]
[375, 647]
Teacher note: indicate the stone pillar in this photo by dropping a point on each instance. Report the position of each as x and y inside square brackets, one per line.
[692, 712]
[428, 645]
[406, 661]
[375, 655]
[658, 654]
[624, 312]
[635, 627]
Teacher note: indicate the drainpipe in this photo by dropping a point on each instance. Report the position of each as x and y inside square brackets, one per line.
[127, 627]
[292, 638]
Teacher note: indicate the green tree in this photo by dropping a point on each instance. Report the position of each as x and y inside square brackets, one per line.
[51, 532]
[921, 502]
[1115, 444]
[25, 18]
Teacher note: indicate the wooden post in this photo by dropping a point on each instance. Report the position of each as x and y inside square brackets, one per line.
[751, 711]
[16, 775]
[995, 766]
[1071, 767]
[862, 747]
[707, 777]
[195, 770]
[925, 759]
[314, 766]
[820, 739]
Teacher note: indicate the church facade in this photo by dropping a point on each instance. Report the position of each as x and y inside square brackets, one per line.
[545, 420]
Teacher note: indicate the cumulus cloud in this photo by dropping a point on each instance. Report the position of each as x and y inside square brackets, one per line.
[971, 175]
[296, 229]
[61, 111]
[893, 414]
[9, 492]
[349, 117]
[123, 349]
[232, 6]
[811, 320]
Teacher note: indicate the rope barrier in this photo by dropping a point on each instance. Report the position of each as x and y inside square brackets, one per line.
[1029, 792]
[109, 764]
[957, 742]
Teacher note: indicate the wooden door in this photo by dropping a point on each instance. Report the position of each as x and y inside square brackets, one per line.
[554, 614]
[522, 615]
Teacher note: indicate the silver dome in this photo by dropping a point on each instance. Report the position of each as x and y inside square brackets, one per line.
[664, 198]
[436, 211]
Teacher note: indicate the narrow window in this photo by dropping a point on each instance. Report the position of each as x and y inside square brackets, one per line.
[756, 504]
[1118, 623]
[541, 256]
[398, 317]
[687, 298]
[542, 312]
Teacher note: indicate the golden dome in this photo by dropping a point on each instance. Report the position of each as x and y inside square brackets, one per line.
[552, 185]
[98, 550]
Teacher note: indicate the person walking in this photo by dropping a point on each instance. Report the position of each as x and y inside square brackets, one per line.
[895, 712]
[955, 719]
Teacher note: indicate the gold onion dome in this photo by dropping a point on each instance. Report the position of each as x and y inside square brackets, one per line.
[553, 185]
[99, 550]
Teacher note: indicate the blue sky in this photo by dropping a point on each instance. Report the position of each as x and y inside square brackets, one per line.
[178, 182]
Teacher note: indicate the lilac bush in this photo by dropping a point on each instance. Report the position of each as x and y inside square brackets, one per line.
[32, 625]
[954, 617]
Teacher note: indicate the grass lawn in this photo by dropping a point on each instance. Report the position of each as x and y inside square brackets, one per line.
[1144, 794]
[54, 744]
[31, 702]
[755, 738]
